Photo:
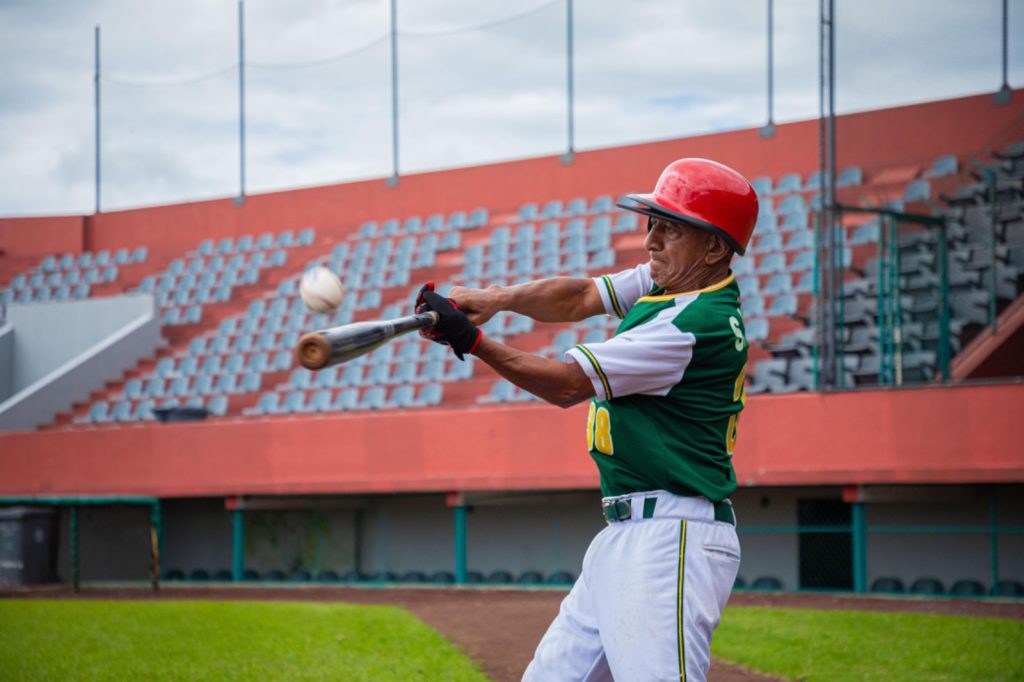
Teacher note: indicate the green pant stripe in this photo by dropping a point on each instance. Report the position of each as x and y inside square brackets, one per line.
[679, 601]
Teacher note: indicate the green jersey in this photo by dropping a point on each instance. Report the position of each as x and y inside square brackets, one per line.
[669, 387]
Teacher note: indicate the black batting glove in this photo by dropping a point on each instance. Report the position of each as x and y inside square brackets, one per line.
[429, 333]
[453, 327]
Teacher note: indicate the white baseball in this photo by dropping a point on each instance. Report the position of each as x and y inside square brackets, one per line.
[321, 290]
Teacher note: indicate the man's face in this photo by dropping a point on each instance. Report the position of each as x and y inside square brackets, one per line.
[675, 250]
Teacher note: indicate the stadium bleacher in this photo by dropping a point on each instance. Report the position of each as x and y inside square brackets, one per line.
[236, 307]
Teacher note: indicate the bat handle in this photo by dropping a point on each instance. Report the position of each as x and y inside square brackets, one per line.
[433, 316]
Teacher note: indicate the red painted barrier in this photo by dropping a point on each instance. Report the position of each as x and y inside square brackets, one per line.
[967, 434]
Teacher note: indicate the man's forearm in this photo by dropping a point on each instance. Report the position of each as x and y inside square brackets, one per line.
[558, 299]
[560, 383]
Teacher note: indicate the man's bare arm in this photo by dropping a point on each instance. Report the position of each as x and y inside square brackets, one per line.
[560, 383]
[558, 299]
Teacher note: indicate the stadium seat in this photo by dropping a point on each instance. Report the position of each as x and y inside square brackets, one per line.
[1009, 588]
[267, 403]
[274, 576]
[888, 585]
[768, 583]
[99, 413]
[347, 399]
[927, 586]
[218, 406]
[373, 399]
[967, 588]
[442, 577]
[174, 574]
[499, 578]
[560, 578]
[850, 176]
[943, 165]
[327, 577]
[762, 186]
[320, 401]
[530, 578]
[790, 182]
[413, 577]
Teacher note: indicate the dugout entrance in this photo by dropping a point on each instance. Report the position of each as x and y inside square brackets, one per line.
[138, 524]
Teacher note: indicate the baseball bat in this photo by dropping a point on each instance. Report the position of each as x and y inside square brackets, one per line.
[333, 346]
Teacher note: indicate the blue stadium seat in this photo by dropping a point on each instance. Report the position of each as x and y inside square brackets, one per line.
[943, 165]
[779, 283]
[805, 284]
[802, 262]
[226, 245]
[300, 378]
[122, 412]
[479, 217]
[282, 361]
[144, 410]
[294, 403]
[218, 405]
[306, 237]
[412, 225]
[347, 399]
[762, 186]
[320, 402]
[772, 263]
[431, 394]
[850, 176]
[803, 239]
[373, 399]
[179, 387]
[99, 412]
[528, 211]
[267, 404]
[756, 328]
[602, 204]
[752, 305]
[501, 391]
[576, 207]
[627, 221]
[154, 388]
[189, 365]
[783, 304]
[868, 233]
[226, 383]
[790, 182]
[206, 248]
[251, 382]
[918, 190]
[203, 385]
[552, 209]
[400, 397]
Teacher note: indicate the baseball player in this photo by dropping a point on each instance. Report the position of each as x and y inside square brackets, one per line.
[665, 393]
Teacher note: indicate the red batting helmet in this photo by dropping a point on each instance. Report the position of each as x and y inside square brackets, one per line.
[703, 194]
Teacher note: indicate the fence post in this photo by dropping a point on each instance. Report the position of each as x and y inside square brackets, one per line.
[458, 503]
[237, 544]
[73, 532]
[860, 547]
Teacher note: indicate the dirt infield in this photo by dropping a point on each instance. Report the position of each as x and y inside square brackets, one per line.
[499, 628]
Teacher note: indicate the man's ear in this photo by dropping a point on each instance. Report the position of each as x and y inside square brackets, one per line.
[717, 252]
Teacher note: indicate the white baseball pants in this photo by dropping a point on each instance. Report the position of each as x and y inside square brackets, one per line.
[649, 597]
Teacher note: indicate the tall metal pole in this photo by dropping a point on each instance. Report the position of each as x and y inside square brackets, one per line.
[241, 101]
[768, 130]
[96, 89]
[394, 94]
[571, 153]
[1004, 95]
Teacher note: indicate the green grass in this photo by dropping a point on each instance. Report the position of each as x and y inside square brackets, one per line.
[813, 645]
[181, 640]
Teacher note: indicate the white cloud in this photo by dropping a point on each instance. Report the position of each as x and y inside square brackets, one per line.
[649, 69]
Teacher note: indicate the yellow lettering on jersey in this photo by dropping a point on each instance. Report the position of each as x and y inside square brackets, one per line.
[741, 341]
[603, 431]
[730, 434]
[590, 427]
[739, 389]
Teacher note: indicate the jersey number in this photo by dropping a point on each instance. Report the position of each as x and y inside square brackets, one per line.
[739, 392]
[599, 430]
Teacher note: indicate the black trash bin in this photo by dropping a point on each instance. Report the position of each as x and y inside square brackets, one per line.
[180, 414]
[28, 553]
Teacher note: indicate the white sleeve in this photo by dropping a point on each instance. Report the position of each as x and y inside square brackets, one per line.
[620, 291]
[649, 359]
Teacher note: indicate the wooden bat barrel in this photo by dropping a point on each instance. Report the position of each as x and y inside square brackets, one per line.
[320, 349]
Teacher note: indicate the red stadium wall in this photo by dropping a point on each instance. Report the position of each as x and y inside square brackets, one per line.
[966, 434]
[911, 134]
[35, 236]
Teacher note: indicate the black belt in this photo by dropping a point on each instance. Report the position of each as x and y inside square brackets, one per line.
[622, 510]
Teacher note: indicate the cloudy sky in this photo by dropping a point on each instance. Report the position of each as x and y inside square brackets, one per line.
[479, 82]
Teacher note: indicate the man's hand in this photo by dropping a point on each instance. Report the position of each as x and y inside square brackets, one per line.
[453, 328]
[480, 305]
